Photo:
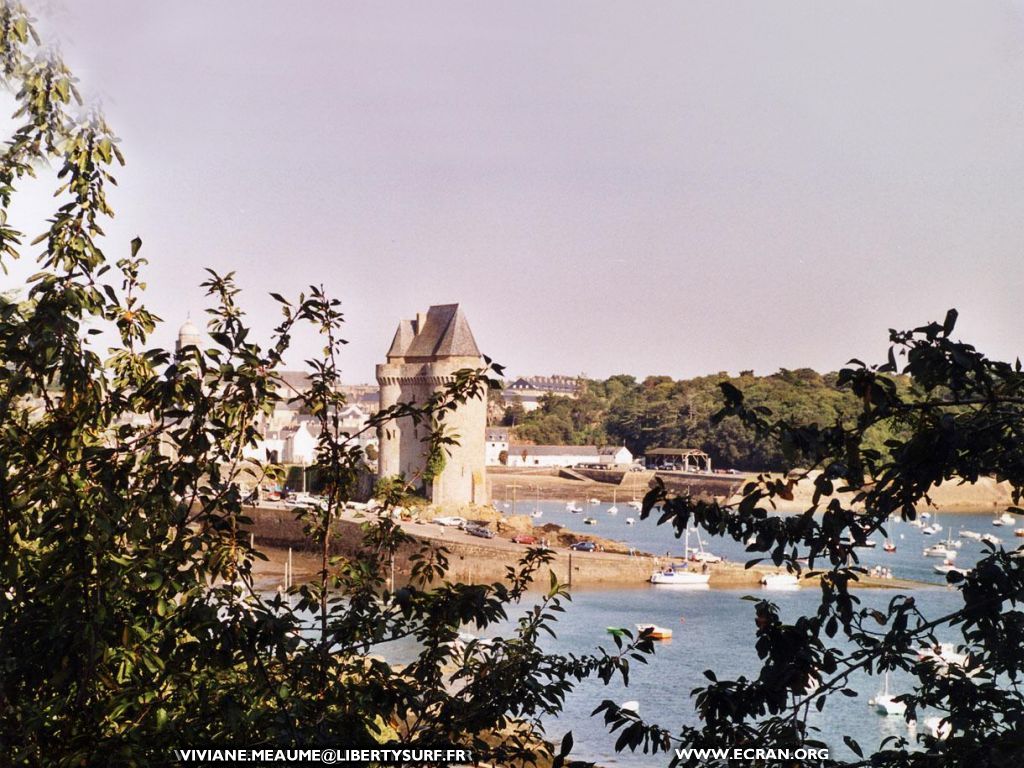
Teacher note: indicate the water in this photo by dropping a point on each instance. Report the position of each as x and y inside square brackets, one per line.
[714, 629]
[907, 562]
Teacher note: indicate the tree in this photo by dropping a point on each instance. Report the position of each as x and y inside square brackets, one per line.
[130, 619]
[964, 420]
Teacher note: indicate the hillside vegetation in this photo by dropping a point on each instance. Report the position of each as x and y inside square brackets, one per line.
[660, 411]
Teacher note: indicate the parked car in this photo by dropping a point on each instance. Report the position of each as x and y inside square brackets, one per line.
[451, 522]
[307, 501]
[524, 538]
[584, 546]
[483, 533]
[636, 468]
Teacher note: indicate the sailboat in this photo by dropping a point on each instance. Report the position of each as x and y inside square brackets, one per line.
[613, 510]
[537, 512]
[573, 507]
[885, 703]
[680, 575]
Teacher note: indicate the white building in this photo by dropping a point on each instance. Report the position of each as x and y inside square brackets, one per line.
[496, 439]
[530, 390]
[568, 455]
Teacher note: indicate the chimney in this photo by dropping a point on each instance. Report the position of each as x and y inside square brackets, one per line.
[421, 320]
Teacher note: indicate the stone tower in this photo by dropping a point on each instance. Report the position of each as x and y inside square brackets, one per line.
[423, 356]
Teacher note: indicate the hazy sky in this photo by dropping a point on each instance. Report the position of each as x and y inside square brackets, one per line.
[658, 187]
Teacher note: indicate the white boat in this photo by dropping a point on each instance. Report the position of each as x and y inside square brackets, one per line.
[938, 727]
[885, 703]
[589, 521]
[926, 515]
[630, 521]
[940, 550]
[676, 576]
[613, 510]
[657, 633]
[970, 535]
[930, 530]
[573, 507]
[780, 581]
[943, 656]
[635, 504]
[537, 513]
[989, 538]
[948, 567]
[1005, 519]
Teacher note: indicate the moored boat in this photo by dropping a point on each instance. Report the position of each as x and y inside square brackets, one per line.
[677, 576]
[655, 632]
[940, 550]
[780, 581]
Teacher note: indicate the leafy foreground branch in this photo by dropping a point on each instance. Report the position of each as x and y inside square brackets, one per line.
[130, 621]
[962, 419]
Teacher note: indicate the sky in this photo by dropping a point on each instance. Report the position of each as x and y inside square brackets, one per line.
[649, 188]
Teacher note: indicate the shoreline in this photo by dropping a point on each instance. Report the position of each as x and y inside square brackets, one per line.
[475, 561]
[986, 496]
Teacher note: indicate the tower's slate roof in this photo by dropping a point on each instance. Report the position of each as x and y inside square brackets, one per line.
[445, 333]
[403, 338]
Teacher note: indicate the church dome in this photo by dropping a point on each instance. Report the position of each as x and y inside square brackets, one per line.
[188, 335]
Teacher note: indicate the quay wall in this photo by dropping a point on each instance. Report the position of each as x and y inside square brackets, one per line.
[474, 560]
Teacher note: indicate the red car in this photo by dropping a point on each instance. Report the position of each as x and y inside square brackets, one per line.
[524, 538]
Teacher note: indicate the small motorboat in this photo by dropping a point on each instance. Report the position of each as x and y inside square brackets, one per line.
[970, 535]
[940, 550]
[931, 530]
[630, 521]
[613, 510]
[780, 581]
[992, 539]
[1005, 519]
[889, 546]
[537, 513]
[1019, 533]
[635, 504]
[573, 507]
[589, 521]
[655, 632]
[948, 567]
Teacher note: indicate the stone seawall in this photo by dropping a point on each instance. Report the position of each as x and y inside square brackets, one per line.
[475, 560]
[470, 559]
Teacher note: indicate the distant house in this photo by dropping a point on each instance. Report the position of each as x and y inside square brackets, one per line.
[496, 441]
[567, 455]
[530, 389]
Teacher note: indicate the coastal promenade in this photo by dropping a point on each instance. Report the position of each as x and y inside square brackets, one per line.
[475, 560]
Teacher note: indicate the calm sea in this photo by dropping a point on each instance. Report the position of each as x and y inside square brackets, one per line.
[714, 629]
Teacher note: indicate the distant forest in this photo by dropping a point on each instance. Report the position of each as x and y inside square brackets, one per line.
[660, 411]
